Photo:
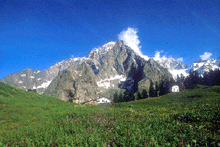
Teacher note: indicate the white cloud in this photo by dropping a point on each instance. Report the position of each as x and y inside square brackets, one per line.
[180, 59]
[157, 56]
[130, 38]
[206, 56]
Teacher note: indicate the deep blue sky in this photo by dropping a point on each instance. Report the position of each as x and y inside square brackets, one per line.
[38, 33]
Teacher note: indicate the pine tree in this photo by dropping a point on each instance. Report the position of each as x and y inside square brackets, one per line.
[126, 97]
[139, 96]
[116, 97]
[121, 97]
[151, 89]
[192, 80]
[144, 94]
[131, 96]
[157, 91]
[180, 82]
[162, 88]
[217, 77]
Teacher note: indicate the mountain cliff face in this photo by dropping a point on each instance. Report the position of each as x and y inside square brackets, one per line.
[112, 67]
[154, 72]
[74, 82]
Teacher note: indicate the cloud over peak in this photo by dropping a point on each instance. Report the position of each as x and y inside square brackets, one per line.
[157, 57]
[180, 59]
[206, 56]
[131, 39]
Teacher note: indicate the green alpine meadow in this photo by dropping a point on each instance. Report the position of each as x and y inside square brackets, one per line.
[188, 118]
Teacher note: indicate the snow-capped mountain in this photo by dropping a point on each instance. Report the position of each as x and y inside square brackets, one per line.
[203, 66]
[111, 67]
[175, 67]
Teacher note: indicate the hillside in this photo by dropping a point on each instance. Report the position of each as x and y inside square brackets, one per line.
[179, 119]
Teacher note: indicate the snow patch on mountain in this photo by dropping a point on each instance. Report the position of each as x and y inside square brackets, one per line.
[23, 75]
[178, 72]
[44, 85]
[106, 83]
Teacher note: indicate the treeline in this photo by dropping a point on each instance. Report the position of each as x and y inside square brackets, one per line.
[34, 90]
[209, 78]
[163, 87]
[155, 90]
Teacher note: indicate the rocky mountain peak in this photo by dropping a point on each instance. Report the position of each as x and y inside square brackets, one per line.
[111, 67]
[98, 53]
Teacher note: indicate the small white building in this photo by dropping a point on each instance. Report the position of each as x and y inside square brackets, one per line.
[103, 100]
[175, 88]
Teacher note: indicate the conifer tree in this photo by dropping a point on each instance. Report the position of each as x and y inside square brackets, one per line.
[144, 94]
[151, 89]
[180, 82]
[162, 87]
[116, 97]
[157, 91]
[139, 96]
[121, 97]
[131, 96]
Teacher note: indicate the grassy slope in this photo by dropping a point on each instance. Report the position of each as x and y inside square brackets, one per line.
[187, 118]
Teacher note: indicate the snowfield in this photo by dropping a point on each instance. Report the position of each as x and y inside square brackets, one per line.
[106, 83]
[44, 85]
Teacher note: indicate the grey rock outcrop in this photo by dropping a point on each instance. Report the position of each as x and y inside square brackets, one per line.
[73, 83]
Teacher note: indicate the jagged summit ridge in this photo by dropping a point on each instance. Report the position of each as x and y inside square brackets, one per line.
[98, 53]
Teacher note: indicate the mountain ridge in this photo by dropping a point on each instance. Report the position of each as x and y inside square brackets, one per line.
[114, 65]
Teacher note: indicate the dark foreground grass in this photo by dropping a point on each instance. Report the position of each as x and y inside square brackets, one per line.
[190, 118]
